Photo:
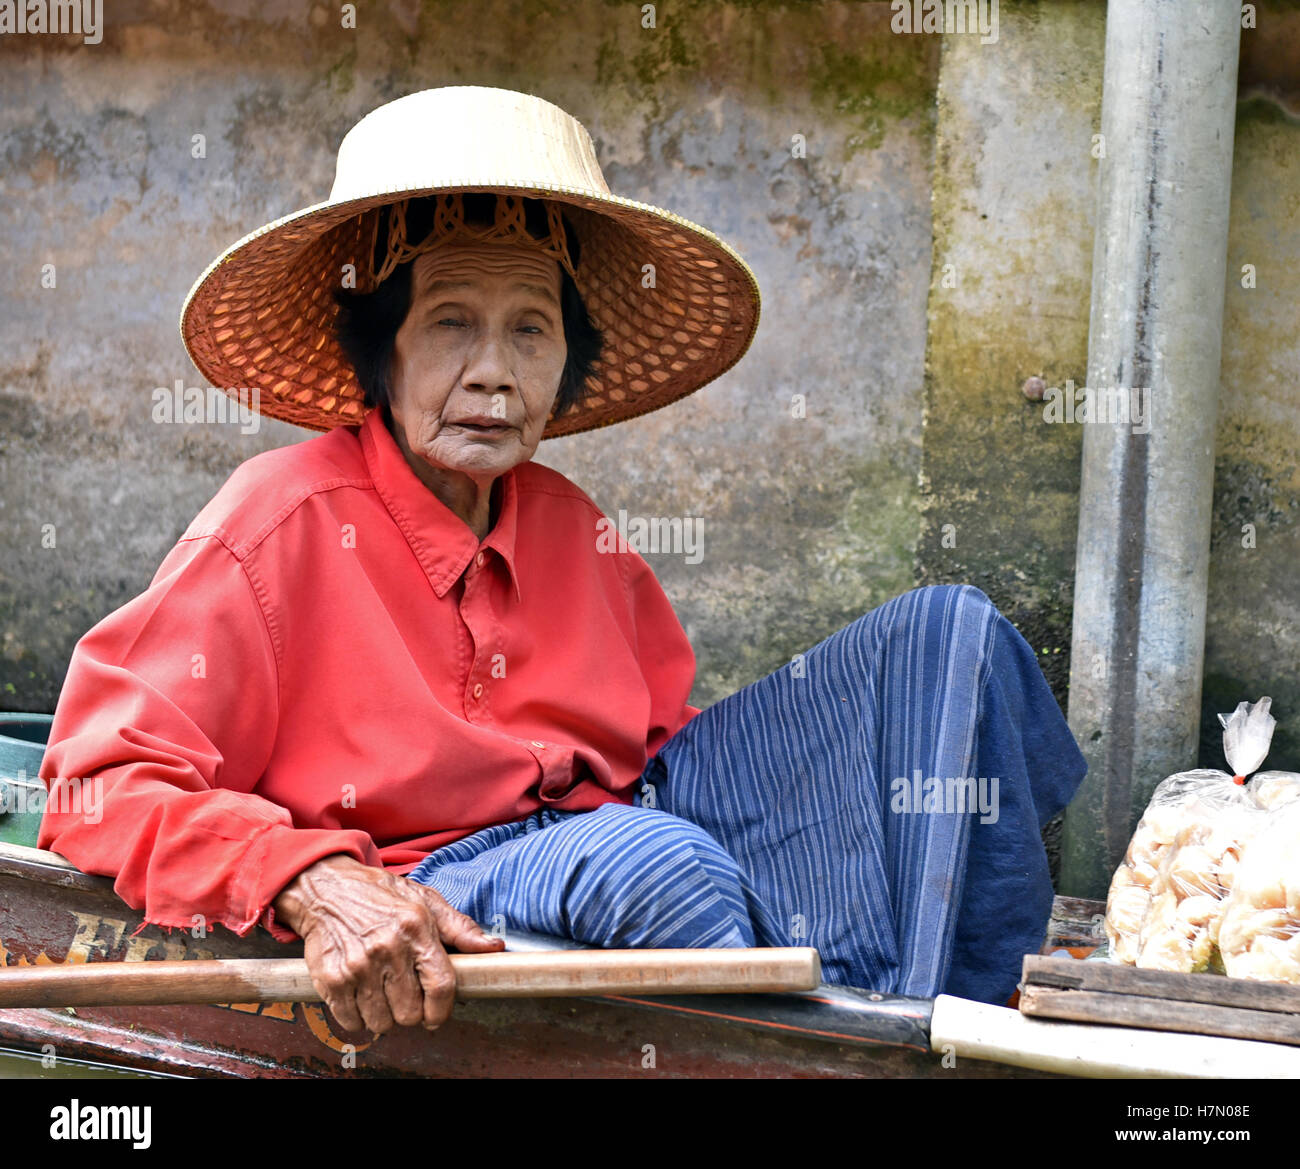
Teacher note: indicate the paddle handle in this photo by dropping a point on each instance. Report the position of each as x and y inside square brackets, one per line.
[554, 974]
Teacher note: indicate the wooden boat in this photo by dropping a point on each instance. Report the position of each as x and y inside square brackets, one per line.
[50, 912]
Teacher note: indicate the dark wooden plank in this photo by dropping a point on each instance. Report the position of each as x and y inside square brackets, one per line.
[1116, 979]
[1158, 1014]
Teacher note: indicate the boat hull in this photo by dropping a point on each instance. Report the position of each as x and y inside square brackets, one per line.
[51, 913]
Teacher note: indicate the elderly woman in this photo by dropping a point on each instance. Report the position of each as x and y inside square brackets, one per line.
[394, 682]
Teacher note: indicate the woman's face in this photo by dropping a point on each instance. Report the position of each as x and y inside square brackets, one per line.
[478, 360]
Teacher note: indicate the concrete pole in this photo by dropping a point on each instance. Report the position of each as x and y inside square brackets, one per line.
[1158, 269]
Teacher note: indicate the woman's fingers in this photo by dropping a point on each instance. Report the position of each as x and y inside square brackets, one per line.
[438, 982]
[404, 990]
[372, 1002]
[458, 929]
[336, 990]
[342, 1003]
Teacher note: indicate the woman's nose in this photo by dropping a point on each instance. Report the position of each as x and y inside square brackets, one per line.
[489, 365]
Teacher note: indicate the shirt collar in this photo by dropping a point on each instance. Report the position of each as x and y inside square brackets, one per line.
[442, 542]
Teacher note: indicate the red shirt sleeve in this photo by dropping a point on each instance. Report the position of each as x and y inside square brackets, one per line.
[166, 721]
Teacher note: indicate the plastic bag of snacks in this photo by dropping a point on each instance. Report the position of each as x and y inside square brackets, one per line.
[1167, 898]
[1260, 933]
[1271, 789]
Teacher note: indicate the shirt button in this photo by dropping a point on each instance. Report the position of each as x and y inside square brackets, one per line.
[478, 689]
[480, 558]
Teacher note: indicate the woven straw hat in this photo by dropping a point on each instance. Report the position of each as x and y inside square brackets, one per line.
[261, 317]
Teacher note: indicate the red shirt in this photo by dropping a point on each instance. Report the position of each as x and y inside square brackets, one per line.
[329, 661]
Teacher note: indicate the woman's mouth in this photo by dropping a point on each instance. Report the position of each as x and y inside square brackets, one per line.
[488, 429]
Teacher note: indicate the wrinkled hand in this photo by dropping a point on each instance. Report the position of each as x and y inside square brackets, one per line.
[374, 943]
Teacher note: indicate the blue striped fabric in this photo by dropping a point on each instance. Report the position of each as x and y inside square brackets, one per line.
[797, 812]
[619, 876]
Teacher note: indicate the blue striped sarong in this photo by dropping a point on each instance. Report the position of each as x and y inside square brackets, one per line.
[880, 798]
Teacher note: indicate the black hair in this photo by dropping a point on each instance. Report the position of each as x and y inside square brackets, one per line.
[367, 322]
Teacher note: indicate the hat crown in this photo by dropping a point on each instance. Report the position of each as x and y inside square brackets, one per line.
[465, 136]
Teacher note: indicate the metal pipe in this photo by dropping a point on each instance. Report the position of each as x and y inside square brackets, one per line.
[1159, 261]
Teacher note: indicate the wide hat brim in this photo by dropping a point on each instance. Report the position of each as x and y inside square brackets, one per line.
[678, 306]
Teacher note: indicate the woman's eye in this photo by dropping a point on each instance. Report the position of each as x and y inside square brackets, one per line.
[458, 323]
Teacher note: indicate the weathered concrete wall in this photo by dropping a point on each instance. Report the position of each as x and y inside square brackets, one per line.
[1013, 209]
[1252, 637]
[808, 522]
[1014, 201]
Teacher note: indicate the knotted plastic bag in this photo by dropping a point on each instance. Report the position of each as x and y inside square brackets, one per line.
[1168, 897]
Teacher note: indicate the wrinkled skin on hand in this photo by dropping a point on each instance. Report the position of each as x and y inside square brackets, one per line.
[374, 943]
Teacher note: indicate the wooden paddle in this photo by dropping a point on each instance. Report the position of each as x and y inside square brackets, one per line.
[553, 974]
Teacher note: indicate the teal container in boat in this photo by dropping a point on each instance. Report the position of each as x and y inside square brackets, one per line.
[22, 799]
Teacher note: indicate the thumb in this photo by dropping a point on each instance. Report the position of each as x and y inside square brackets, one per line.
[459, 929]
